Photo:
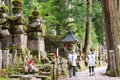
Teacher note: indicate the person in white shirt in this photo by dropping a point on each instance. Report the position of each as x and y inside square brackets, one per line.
[72, 58]
[91, 62]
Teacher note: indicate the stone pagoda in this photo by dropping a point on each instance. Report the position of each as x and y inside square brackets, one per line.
[35, 39]
[4, 33]
[17, 28]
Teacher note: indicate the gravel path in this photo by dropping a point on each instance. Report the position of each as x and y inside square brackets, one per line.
[99, 75]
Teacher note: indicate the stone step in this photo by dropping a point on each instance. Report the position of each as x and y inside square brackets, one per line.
[30, 76]
[15, 76]
[45, 73]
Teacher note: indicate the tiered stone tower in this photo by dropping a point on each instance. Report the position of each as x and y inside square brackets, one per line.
[17, 30]
[35, 39]
[4, 33]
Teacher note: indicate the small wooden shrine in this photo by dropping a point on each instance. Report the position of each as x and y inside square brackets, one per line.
[69, 41]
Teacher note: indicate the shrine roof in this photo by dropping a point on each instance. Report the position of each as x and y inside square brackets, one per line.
[70, 38]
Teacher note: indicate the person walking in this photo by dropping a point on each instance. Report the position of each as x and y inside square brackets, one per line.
[72, 60]
[91, 62]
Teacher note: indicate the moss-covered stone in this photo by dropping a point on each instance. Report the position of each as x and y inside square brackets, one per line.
[3, 21]
[17, 9]
[43, 30]
[33, 35]
[17, 20]
[34, 25]
[35, 13]
[17, 3]
[4, 9]
[108, 72]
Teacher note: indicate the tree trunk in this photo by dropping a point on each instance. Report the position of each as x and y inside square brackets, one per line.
[115, 23]
[88, 27]
[112, 30]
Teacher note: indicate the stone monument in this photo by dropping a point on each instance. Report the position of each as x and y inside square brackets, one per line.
[4, 33]
[35, 39]
[17, 28]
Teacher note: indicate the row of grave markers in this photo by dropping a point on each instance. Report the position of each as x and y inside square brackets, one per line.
[8, 60]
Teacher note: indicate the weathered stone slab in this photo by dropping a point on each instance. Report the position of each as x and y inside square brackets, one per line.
[0, 45]
[10, 60]
[0, 59]
[36, 44]
[19, 40]
[28, 77]
[6, 58]
[6, 42]
[15, 76]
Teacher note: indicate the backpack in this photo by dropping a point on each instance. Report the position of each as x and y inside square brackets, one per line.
[69, 63]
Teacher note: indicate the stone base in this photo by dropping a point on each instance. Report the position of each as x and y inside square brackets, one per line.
[37, 44]
[19, 40]
[6, 42]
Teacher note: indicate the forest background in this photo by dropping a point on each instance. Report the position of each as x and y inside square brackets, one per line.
[62, 16]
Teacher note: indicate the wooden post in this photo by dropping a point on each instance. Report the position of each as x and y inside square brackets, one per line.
[57, 64]
[53, 73]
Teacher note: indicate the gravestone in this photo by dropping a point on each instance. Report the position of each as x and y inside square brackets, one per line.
[112, 62]
[10, 60]
[15, 59]
[0, 45]
[0, 59]
[6, 58]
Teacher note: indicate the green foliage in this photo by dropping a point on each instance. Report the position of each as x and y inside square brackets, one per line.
[59, 17]
[34, 52]
[94, 39]
[9, 71]
[12, 48]
[52, 43]
[97, 21]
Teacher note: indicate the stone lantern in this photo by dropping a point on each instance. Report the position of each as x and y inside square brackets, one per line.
[34, 31]
[17, 26]
[17, 20]
[4, 33]
[34, 25]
